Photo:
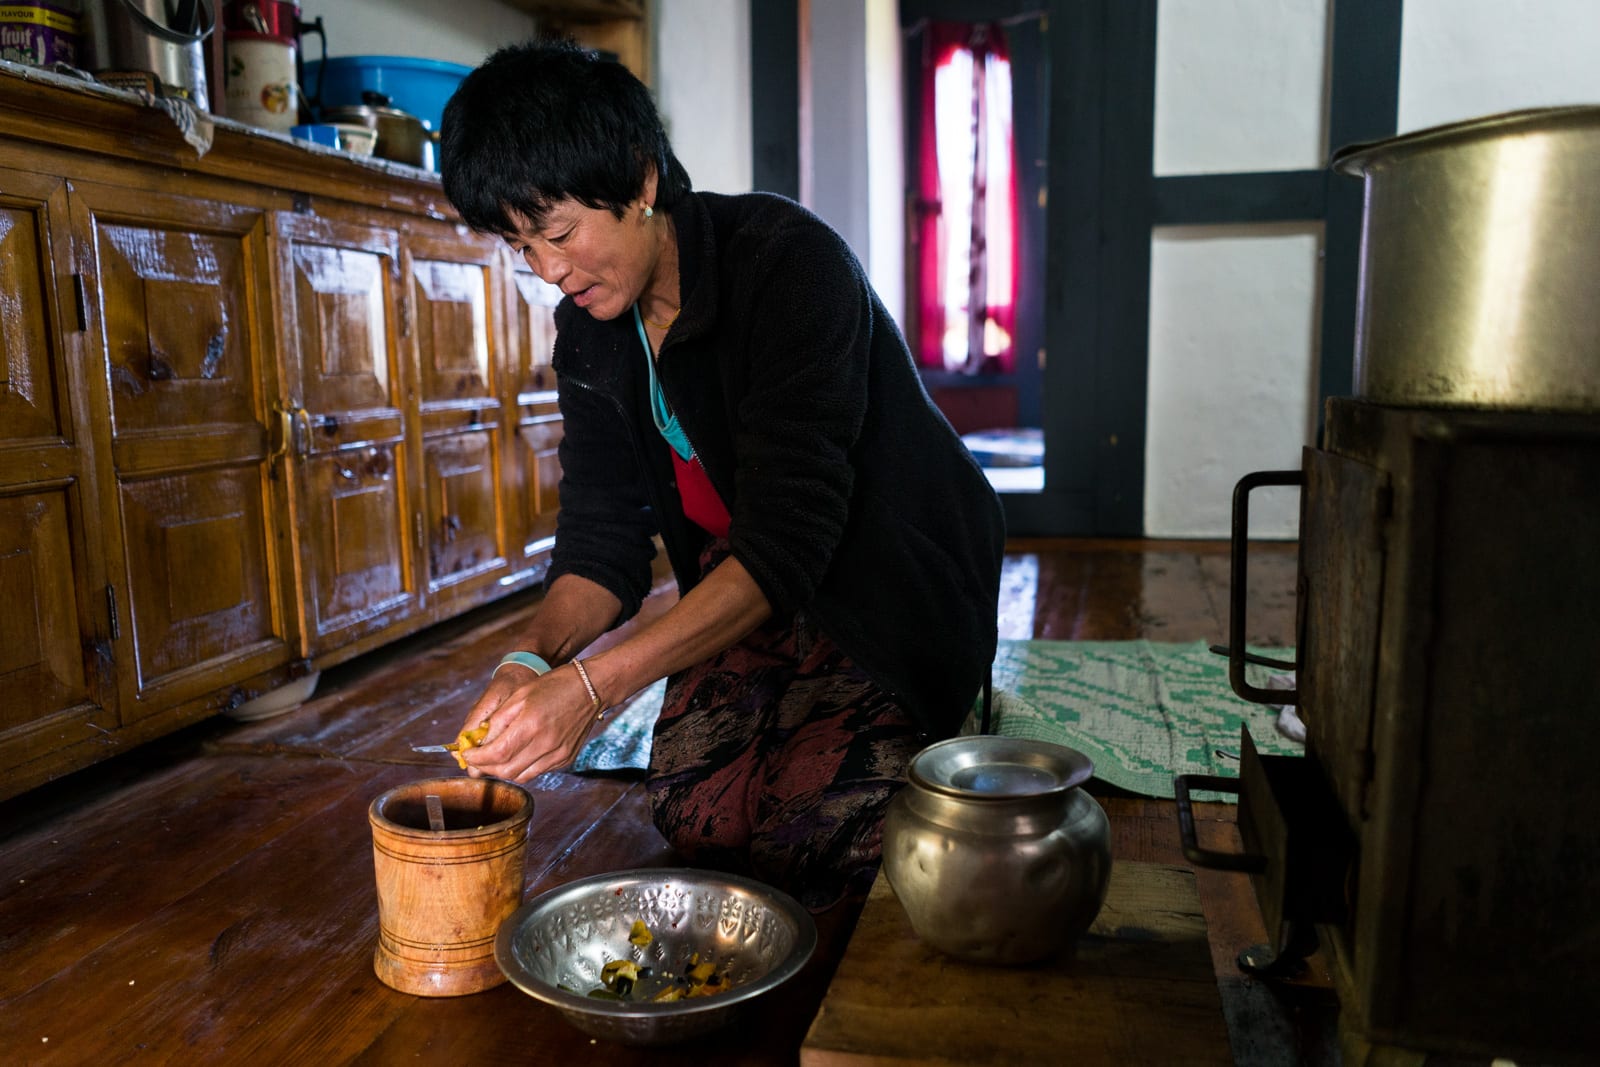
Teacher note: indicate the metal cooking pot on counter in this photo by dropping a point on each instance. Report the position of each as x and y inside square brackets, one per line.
[402, 137]
[155, 37]
[1480, 263]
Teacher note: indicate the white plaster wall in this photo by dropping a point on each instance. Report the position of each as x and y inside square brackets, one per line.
[838, 86]
[1233, 340]
[1241, 85]
[462, 31]
[855, 156]
[1236, 81]
[702, 82]
[1462, 59]
[885, 158]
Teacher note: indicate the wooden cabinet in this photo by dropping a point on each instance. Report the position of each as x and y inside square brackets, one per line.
[54, 651]
[342, 430]
[530, 315]
[452, 281]
[175, 289]
[620, 27]
[260, 411]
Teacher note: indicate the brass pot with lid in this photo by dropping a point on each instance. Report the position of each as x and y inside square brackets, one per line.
[994, 851]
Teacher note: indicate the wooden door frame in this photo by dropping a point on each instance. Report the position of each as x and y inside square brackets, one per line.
[775, 47]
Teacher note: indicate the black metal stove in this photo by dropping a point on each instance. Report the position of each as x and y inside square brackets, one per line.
[1440, 839]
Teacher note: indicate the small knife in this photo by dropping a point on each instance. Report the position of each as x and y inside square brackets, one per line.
[431, 748]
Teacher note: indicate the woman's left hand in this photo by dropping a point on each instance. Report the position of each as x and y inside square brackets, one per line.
[539, 725]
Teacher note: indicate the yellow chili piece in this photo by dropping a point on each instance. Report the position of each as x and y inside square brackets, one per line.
[618, 969]
[640, 934]
[467, 739]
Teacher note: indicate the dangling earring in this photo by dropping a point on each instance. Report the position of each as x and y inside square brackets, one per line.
[649, 212]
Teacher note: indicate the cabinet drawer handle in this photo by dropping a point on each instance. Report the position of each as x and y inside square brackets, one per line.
[285, 431]
[304, 417]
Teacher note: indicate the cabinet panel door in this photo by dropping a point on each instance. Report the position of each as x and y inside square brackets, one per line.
[463, 517]
[180, 285]
[533, 468]
[175, 302]
[350, 551]
[533, 332]
[451, 276]
[350, 469]
[31, 412]
[45, 679]
[539, 432]
[201, 592]
[53, 664]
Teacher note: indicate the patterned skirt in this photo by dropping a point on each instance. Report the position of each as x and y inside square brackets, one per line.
[777, 758]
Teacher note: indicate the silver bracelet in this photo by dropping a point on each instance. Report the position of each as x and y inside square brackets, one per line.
[596, 705]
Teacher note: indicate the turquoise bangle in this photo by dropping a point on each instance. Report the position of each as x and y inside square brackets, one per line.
[534, 663]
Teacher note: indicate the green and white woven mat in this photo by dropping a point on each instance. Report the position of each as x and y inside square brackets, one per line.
[1143, 711]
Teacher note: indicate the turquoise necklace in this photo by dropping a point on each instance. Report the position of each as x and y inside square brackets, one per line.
[665, 420]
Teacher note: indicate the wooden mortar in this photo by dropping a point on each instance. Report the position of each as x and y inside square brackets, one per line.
[442, 895]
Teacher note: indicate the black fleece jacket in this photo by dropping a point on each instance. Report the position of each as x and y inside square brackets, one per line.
[853, 500]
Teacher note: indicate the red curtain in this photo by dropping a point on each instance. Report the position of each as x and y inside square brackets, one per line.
[975, 222]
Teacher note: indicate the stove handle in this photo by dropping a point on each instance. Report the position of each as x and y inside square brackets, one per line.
[1238, 588]
[1205, 857]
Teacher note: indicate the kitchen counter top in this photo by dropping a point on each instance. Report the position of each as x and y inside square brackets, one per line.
[55, 109]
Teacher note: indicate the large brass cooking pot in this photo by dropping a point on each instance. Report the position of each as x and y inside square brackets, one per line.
[1480, 263]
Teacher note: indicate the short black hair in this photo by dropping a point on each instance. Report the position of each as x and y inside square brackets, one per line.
[545, 121]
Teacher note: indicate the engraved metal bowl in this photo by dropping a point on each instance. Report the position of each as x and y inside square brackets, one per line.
[553, 947]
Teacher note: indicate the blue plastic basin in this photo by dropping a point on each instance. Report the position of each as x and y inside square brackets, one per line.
[419, 87]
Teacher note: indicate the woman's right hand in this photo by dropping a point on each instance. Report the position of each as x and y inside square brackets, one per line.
[537, 723]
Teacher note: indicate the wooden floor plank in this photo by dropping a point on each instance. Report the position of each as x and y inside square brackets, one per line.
[204, 974]
[81, 882]
[255, 958]
[1092, 590]
[1136, 989]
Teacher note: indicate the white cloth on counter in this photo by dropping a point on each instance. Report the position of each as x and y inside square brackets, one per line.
[195, 125]
[1289, 723]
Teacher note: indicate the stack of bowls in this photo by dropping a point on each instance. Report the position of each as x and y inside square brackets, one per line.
[356, 138]
[413, 90]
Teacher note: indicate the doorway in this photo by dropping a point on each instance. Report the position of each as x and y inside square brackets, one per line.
[1068, 397]
[985, 376]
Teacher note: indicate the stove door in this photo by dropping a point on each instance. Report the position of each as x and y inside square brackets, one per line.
[1343, 512]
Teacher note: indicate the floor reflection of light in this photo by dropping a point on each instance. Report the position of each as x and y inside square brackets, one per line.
[1016, 479]
[1019, 596]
